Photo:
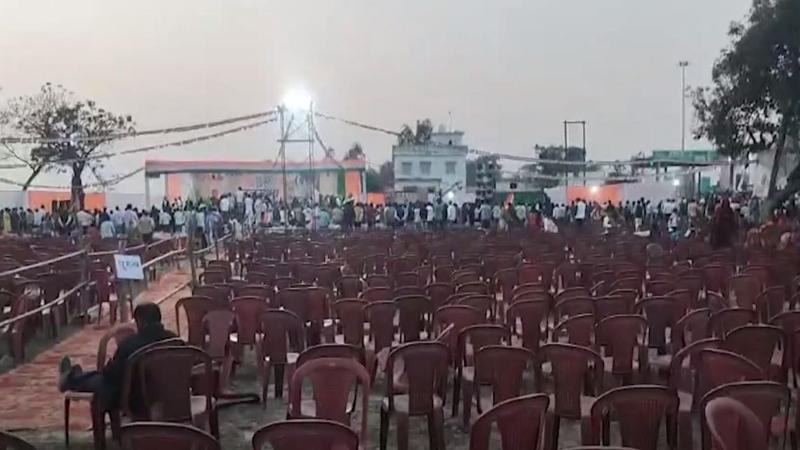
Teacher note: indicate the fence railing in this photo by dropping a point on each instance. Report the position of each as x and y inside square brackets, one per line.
[19, 328]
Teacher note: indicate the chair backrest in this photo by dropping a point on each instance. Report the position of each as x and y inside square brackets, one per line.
[574, 306]
[502, 367]
[152, 435]
[734, 426]
[332, 381]
[330, 351]
[479, 336]
[427, 375]
[691, 351]
[639, 410]
[765, 399]
[658, 311]
[758, 343]
[438, 293]
[572, 366]
[215, 293]
[247, 311]
[299, 434]
[717, 367]
[579, 329]
[165, 377]
[623, 336]
[457, 317]
[116, 334]
[723, 321]
[745, 288]
[380, 315]
[691, 327]
[195, 308]
[283, 330]
[217, 328]
[413, 309]
[530, 314]
[352, 317]
[771, 302]
[10, 442]
[377, 293]
[263, 292]
[482, 302]
[519, 421]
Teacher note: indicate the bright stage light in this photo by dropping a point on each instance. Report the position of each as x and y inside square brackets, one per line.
[451, 195]
[676, 182]
[297, 100]
[594, 189]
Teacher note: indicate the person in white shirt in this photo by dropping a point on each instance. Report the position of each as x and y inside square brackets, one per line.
[239, 196]
[85, 220]
[107, 230]
[165, 220]
[180, 221]
[248, 208]
[452, 213]
[580, 212]
[429, 217]
[224, 205]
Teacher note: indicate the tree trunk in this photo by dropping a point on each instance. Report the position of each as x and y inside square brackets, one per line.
[776, 200]
[731, 179]
[76, 187]
[36, 171]
[776, 161]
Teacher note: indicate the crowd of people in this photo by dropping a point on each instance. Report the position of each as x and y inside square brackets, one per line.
[241, 212]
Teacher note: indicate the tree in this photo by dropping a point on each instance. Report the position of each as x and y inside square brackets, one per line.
[78, 129]
[556, 153]
[355, 152]
[422, 136]
[754, 103]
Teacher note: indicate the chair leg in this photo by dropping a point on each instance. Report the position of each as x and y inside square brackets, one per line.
[551, 426]
[384, 433]
[265, 383]
[279, 370]
[456, 391]
[213, 422]
[402, 431]
[467, 392]
[66, 421]
[438, 427]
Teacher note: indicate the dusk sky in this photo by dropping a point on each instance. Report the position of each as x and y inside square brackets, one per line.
[509, 70]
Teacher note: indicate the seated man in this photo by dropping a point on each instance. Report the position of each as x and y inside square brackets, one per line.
[106, 383]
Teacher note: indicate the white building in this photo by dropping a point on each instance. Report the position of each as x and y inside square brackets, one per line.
[426, 169]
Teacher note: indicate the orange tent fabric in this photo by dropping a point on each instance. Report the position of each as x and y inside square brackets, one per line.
[352, 184]
[93, 200]
[600, 194]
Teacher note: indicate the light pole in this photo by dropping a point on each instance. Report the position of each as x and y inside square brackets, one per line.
[683, 65]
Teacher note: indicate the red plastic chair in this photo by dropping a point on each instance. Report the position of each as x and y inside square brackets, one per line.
[745, 290]
[577, 374]
[519, 421]
[722, 322]
[116, 334]
[717, 367]
[691, 327]
[378, 280]
[481, 302]
[218, 294]
[414, 313]
[306, 434]
[733, 426]
[165, 374]
[380, 316]
[438, 293]
[471, 339]
[500, 367]
[195, 308]
[456, 317]
[351, 317]
[624, 336]
[10, 442]
[377, 294]
[265, 293]
[683, 380]
[768, 400]
[530, 315]
[639, 411]
[579, 330]
[332, 381]
[217, 328]
[610, 305]
[283, 341]
[659, 313]
[758, 343]
[771, 302]
[157, 435]
[573, 306]
[427, 383]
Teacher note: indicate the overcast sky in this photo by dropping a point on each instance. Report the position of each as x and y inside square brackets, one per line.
[509, 70]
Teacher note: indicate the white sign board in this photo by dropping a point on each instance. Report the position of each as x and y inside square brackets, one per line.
[128, 267]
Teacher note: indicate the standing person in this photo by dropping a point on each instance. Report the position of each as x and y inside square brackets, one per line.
[348, 215]
[179, 217]
[358, 212]
[225, 207]
[638, 215]
[580, 212]
[165, 221]
[249, 210]
[430, 215]
[497, 214]
[452, 214]
[107, 230]
[724, 226]
[146, 227]
[370, 214]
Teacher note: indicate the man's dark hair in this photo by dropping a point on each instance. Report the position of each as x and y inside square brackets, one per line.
[147, 314]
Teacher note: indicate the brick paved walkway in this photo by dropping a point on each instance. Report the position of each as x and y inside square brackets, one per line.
[29, 396]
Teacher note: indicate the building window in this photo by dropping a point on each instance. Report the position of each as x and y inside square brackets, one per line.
[425, 167]
[406, 168]
[450, 167]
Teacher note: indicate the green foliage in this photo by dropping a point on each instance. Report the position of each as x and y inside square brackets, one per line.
[754, 102]
[355, 152]
[52, 113]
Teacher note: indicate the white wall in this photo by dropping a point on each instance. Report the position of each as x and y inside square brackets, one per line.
[13, 199]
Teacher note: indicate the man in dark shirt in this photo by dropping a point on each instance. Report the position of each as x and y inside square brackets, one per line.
[107, 381]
